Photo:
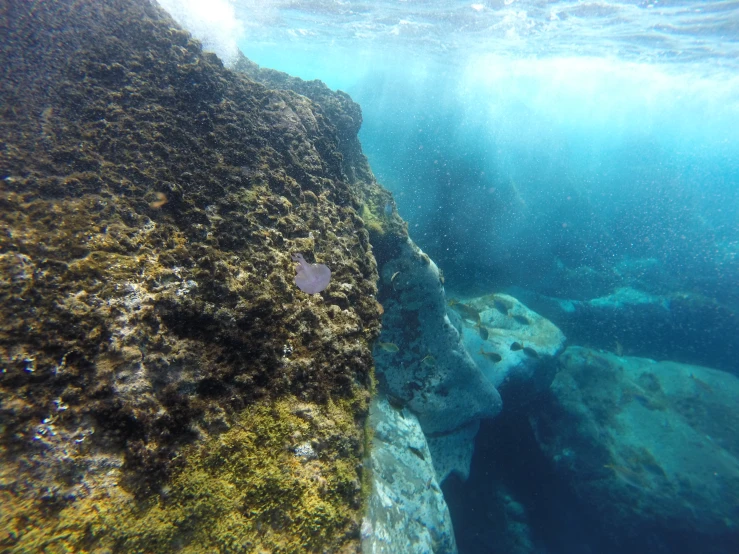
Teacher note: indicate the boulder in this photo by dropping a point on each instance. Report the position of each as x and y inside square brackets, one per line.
[407, 512]
[679, 326]
[420, 358]
[452, 452]
[650, 448]
[165, 386]
[499, 326]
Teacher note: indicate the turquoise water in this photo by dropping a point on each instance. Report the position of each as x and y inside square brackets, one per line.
[526, 139]
[582, 157]
[515, 134]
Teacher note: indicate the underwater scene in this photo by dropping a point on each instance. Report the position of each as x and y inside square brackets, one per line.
[389, 277]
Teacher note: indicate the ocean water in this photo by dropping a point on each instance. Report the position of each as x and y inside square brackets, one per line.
[572, 161]
[518, 134]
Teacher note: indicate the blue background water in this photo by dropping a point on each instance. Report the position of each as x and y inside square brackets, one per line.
[521, 135]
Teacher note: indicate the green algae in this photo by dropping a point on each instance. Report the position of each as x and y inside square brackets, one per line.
[373, 223]
[247, 490]
[160, 369]
[244, 490]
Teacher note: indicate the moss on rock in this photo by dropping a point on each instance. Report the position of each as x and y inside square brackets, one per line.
[277, 480]
[162, 375]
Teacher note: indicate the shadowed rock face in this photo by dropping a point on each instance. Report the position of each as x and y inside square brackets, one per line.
[403, 476]
[432, 373]
[161, 368]
[649, 448]
[427, 371]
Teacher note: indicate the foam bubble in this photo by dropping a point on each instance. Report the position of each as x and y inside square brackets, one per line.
[212, 22]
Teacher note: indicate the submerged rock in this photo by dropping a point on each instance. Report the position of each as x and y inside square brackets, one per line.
[448, 392]
[407, 512]
[452, 452]
[685, 327]
[649, 448]
[516, 354]
[406, 509]
[518, 344]
[162, 375]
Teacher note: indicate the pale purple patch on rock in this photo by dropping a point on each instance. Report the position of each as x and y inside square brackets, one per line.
[311, 278]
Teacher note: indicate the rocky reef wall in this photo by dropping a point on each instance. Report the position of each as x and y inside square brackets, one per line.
[426, 380]
[165, 386]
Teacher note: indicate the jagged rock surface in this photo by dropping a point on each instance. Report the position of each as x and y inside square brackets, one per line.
[431, 372]
[407, 513]
[394, 249]
[165, 385]
[649, 448]
[525, 341]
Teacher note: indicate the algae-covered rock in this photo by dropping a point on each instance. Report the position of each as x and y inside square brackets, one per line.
[421, 363]
[649, 448]
[164, 385]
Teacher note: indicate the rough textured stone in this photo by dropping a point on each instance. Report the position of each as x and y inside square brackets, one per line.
[407, 513]
[649, 448]
[338, 106]
[502, 321]
[394, 249]
[488, 326]
[452, 452]
[161, 372]
[431, 372]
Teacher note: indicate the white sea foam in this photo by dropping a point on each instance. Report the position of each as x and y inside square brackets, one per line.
[213, 22]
